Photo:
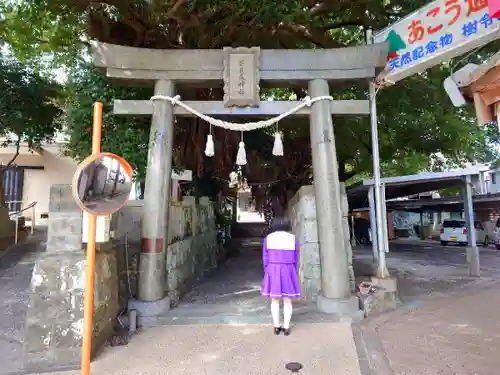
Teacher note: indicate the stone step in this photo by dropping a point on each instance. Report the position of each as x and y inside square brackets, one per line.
[302, 313]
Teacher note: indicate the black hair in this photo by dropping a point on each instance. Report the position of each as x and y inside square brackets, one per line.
[280, 224]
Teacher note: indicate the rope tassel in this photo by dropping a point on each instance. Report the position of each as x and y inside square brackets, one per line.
[241, 157]
[278, 144]
[209, 147]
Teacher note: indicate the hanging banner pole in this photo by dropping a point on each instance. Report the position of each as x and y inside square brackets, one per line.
[382, 271]
[88, 308]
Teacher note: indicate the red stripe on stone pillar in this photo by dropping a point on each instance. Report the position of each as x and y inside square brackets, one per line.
[151, 245]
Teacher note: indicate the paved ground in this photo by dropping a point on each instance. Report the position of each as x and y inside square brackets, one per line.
[454, 335]
[322, 348]
[428, 268]
[16, 266]
[448, 325]
[107, 204]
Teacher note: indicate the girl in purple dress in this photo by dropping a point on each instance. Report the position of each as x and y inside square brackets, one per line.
[280, 255]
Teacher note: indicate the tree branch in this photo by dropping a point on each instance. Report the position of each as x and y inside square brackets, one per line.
[176, 7]
[326, 7]
[317, 37]
[339, 25]
[16, 154]
[43, 41]
[363, 143]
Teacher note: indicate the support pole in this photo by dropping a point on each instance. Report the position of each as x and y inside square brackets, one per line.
[472, 249]
[382, 271]
[373, 223]
[88, 307]
[334, 273]
[352, 238]
[152, 272]
[385, 228]
[421, 231]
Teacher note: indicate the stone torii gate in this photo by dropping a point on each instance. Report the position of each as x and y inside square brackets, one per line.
[242, 70]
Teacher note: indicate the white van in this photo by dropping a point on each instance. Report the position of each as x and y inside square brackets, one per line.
[456, 231]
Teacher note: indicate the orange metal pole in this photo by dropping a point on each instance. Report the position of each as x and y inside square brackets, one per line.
[88, 308]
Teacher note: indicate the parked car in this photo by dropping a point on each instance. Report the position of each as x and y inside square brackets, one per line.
[456, 231]
[362, 231]
[496, 232]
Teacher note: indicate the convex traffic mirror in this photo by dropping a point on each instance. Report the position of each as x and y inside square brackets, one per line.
[102, 183]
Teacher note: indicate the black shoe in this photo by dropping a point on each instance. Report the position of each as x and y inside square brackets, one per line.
[277, 330]
[286, 331]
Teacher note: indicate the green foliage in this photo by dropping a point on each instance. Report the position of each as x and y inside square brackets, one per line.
[34, 28]
[125, 136]
[28, 105]
[451, 192]
[416, 118]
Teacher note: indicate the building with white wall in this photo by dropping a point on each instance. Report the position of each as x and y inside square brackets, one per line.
[33, 174]
[35, 171]
[492, 180]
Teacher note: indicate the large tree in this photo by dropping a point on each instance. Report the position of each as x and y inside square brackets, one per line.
[29, 110]
[417, 119]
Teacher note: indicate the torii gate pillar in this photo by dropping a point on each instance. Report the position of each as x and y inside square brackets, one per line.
[151, 272]
[335, 294]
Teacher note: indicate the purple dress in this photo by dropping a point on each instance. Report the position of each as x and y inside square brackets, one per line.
[280, 255]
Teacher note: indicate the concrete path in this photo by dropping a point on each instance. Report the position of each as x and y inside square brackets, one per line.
[223, 326]
[322, 348]
[16, 265]
[454, 335]
[231, 295]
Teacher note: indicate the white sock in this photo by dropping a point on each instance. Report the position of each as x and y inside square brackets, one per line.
[275, 312]
[287, 312]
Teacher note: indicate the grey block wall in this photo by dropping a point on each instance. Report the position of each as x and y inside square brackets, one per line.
[192, 249]
[65, 221]
[54, 320]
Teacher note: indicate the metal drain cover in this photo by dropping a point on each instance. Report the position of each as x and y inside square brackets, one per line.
[293, 367]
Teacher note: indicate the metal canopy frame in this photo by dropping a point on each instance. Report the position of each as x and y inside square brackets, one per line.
[403, 186]
[454, 204]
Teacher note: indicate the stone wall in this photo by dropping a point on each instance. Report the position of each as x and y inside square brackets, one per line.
[54, 320]
[302, 214]
[192, 247]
